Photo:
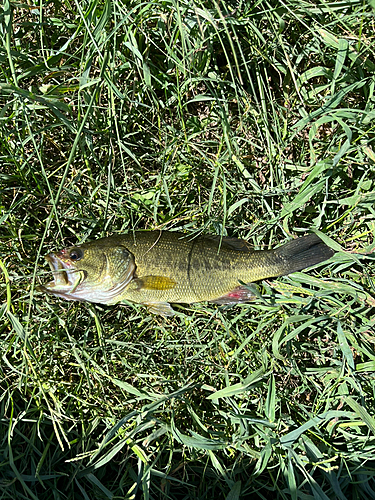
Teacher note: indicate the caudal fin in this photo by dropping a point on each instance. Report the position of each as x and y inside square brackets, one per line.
[303, 252]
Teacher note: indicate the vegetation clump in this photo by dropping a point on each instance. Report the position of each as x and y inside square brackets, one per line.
[248, 119]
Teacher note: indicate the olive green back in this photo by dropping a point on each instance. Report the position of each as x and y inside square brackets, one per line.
[201, 269]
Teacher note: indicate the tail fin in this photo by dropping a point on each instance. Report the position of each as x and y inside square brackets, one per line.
[303, 252]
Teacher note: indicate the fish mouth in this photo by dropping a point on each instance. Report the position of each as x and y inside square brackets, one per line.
[65, 278]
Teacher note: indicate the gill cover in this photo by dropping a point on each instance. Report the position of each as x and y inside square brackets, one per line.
[90, 273]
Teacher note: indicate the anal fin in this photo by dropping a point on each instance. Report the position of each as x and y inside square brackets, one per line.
[236, 296]
[161, 308]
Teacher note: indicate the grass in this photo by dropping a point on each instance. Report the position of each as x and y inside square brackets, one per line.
[254, 120]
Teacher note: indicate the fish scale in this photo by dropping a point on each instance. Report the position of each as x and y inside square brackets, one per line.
[156, 268]
[201, 271]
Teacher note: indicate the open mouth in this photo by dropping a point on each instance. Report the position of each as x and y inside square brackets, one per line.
[65, 279]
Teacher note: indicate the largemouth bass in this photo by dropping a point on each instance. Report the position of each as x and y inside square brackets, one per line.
[156, 268]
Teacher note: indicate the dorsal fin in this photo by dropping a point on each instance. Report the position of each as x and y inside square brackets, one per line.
[231, 243]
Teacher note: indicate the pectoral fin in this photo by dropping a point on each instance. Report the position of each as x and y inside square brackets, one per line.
[161, 308]
[152, 283]
[239, 294]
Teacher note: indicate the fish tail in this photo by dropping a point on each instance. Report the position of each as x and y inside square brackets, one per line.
[302, 252]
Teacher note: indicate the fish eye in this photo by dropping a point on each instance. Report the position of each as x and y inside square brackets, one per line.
[76, 254]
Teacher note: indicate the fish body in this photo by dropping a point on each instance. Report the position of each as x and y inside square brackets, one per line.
[156, 268]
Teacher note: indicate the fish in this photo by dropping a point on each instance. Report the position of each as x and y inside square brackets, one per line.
[160, 268]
